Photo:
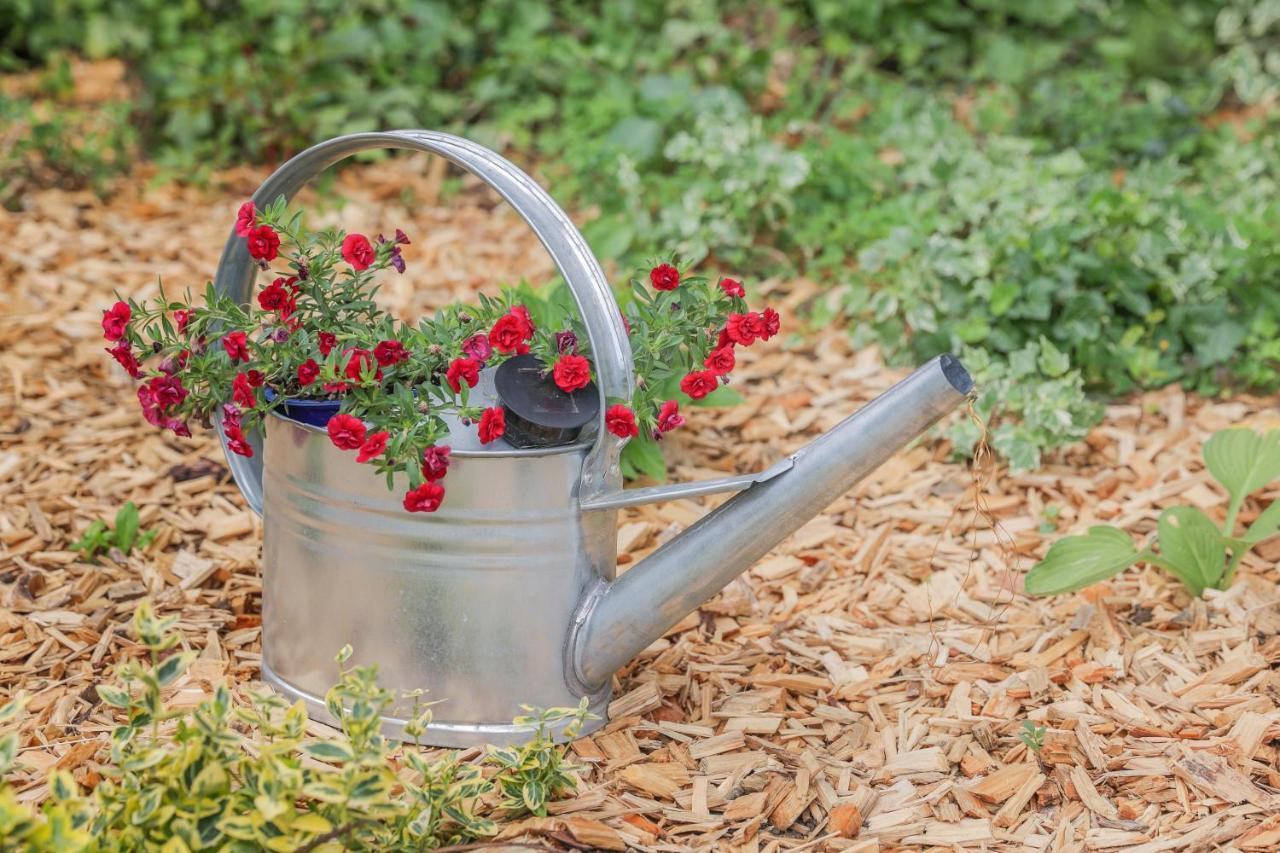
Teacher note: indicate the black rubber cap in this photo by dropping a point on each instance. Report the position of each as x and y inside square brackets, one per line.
[956, 374]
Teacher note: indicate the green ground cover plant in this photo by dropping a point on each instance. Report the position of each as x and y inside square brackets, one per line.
[223, 776]
[1100, 175]
[1186, 543]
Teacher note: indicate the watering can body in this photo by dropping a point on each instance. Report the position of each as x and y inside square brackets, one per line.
[507, 595]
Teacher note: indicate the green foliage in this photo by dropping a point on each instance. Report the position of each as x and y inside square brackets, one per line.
[1187, 543]
[124, 536]
[961, 173]
[227, 777]
[1032, 736]
[1029, 403]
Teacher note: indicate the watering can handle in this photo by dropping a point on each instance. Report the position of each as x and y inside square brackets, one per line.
[599, 311]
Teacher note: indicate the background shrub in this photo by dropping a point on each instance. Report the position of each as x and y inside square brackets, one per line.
[1099, 174]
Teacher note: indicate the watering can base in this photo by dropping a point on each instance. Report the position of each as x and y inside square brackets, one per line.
[442, 732]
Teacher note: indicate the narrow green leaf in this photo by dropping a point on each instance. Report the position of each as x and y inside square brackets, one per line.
[126, 532]
[1266, 525]
[1078, 561]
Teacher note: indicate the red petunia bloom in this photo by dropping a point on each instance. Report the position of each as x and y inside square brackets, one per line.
[720, 361]
[733, 287]
[435, 461]
[245, 218]
[326, 341]
[256, 378]
[389, 353]
[425, 498]
[373, 446]
[358, 361]
[274, 297]
[242, 392]
[358, 251]
[182, 318]
[699, 384]
[571, 373]
[237, 346]
[621, 421]
[477, 347]
[772, 323]
[124, 355]
[346, 432]
[114, 320]
[263, 242]
[509, 334]
[521, 313]
[237, 443]
[308, 371]
[493, 424]
[664, 277]
[167, 391]
[745, 328]
[462, 370]
[669, 417]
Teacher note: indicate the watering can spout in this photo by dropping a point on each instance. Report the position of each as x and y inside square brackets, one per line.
[623, 617]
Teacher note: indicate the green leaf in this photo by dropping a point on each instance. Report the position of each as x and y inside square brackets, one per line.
[1078, 561]
[1266, 525]
[126, 532]
[643, 455]
[1243, 460]
[1191, 547]
[113, 696]
[172, 667]
[721, 398]
[328, 750]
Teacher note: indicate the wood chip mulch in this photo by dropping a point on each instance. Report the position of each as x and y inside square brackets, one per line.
[862, 688]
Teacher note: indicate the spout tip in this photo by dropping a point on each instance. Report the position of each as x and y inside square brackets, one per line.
[955, 373]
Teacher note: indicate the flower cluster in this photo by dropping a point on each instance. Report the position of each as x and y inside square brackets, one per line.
[314, 332]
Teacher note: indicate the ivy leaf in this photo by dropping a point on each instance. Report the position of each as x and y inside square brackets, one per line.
[1242, 460]
[1192, 547]
[1078, 561]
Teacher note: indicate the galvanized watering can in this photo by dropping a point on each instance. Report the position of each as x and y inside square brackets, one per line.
[509, 594]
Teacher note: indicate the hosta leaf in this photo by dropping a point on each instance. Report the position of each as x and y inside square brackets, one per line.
[1078, 561]
[1192, 547]
[1243, 460]
[1266, 525]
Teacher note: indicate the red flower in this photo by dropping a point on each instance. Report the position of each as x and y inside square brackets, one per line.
[435, 462]
[275, 298]
[664, 277]
[326, 341]
[242, 392]
[124, 355]
[463, 370]
[236, 345]
[699, 384]
[359, 360]
[264, 243]
[621, 421]
[526, 322]
[245, 217]
[477, 347]
[358, 251]
[256, 378]
[724, 340]
[510, 333]
[425, 498]
[150, 410]
[182, 318]
[308, 371]
[720, 361]
[733, 287]
[745, 328]
[114, 320]
[373, 446]
[772, 322]
[346, 432]
[493, 424]
[167, 391]
[389, 353]
[237, 443]
[572, 372]
[669, 417]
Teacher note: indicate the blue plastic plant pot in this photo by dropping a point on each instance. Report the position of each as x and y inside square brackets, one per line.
[314, 413]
